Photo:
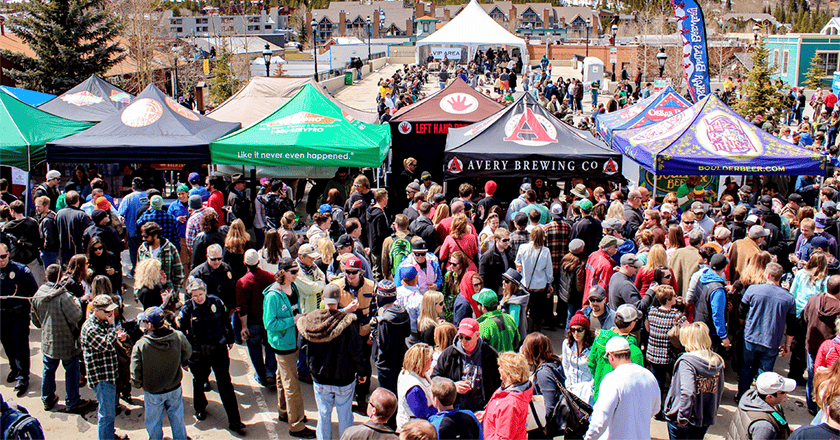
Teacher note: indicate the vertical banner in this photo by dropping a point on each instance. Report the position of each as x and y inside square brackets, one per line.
[692, 28]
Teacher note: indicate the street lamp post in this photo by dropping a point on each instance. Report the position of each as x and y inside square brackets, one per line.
[755, 30]
[588, 25]
[661, 57]
[614, 33]
[314, 25]
[267, 57]
[368, 32]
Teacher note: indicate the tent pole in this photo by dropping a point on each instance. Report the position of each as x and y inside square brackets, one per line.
[28, 176]
[654, 189]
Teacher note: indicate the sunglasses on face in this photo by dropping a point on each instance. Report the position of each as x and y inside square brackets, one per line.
[97, 248]
[689, 223]
[4, 256]
[454, 263]
[215, 259]
[293, 271]
[505, 240]
[596, 300]
[439, 303]
[578, 330]
[419, 254]
[467, 338]
[352, 272]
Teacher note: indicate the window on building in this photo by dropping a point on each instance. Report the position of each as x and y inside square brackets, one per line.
[785, 62]
[176, 21]
[268, 26]
[253, 19]
[201, 21]
[227, 28]
[828, 61]
[776, 59]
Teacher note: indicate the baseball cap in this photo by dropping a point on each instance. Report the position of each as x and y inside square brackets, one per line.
[285, 263]
[194, 178]
[525, 187]
[419, 246]
[630, 260]
[820, 220]
[819, 242]
[829, 208]
[771, 382]
[182, 188]
[616, 344]
[53, 174]
[698, 207]
[152, 315]
[408, 273]
[344, 241]
[576, 246]
[104, 302]
[609, 241]
[766, 201]
[156, 202]
[585, 204]
[252, 257]
[758, 231]
[468, 327]
[102, 203]
[487, 298]
[627, 312]
[330, 294]
[308, 250]
[718, 262]
[353, 263]
[795, 198]
[722, 233]
[598, 293]
[666, 207]
[612, 224]
[137, 182]
[557, 211]
[325, 208]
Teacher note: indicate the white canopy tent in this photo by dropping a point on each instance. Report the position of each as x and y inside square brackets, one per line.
[472, 29]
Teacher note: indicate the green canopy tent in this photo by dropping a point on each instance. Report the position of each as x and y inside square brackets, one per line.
[308, 130]
[25, 130]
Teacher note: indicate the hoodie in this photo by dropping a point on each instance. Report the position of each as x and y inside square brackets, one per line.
[451, 363]
[819, 314]
[58, 314]
[695, 392]
[711, 303]
[393, 325]
[507, 412]
[157, 358]
[761, 429]
[333, 346]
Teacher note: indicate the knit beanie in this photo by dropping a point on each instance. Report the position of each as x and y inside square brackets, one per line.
[579, 319]
[490, 188]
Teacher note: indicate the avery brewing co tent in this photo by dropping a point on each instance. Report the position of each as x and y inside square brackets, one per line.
[309, 130]
[92, 100]
[710, 138]
[419, 131]
[659, 106]
[154, 128]
[24, 130]
[525, 140]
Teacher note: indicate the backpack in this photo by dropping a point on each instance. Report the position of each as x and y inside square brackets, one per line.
[16, 423]
[400, 248]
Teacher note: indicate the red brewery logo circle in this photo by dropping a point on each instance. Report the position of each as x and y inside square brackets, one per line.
[610, 167]
[530, 129]
[180, 109]
[142, 112]
[458, 103]
[455, 166]
[404, 127]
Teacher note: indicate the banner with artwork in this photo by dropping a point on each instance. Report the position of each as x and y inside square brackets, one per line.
[92, 100]
[666, 184]
[692, 27]
[709, 138]
[657, 107]
[524, 140]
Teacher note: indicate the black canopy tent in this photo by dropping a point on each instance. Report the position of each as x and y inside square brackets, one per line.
[525, 140]
[154, 128]
[93, 100]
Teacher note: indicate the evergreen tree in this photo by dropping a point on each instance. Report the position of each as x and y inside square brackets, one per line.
[759, 93]
[72, 40]
[225, 83]
[813, 77]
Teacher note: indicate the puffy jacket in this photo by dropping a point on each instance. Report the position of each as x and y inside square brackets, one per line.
[507, 412]
[333, 346]
[279, 319]
[57, 313]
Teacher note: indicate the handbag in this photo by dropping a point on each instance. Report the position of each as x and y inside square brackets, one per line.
[570, 413]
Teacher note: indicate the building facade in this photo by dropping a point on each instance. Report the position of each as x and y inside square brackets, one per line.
[792, 55]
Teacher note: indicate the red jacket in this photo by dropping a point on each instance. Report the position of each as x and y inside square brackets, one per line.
[645, 278]
[599, 270]
[828, 353]
[217, 202]
[507, 413]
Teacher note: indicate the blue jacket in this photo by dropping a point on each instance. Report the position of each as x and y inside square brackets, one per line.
[717, 301]
[178, 209]
[128, 210]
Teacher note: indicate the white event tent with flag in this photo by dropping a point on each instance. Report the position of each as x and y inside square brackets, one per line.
[472, 29]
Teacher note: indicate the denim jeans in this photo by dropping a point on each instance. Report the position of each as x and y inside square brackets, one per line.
[757, 360]
[173, 404]
[49, 258]
[262, 355]
[133, 246]
[689, 432]
[106, 395]
[302, 366]
[809, 387]
[71, 379]
[388, 379]
[327, 396]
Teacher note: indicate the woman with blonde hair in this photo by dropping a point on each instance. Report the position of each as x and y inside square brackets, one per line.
[430, 312]
[288, 236]
[810, 281]
[696, 386]
[236, 243]
[616, 211]
[148, 284]
[414, 387]
[657, 257]
[507, 411]
[326, 249]
[486, 236]
[460, 239]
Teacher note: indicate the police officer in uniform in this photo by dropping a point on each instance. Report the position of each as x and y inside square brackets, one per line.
[217, 276]
[17, 285]
[204, 321]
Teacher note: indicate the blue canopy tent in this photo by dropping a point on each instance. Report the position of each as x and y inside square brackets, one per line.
[709, 138]
[30, 97]
[659, 106]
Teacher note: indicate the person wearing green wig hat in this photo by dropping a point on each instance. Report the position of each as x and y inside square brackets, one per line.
[690, 191]
[495, 326]
[180, 211]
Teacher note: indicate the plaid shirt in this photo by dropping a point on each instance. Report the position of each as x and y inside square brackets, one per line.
[557, 235]
[194, 225]
[165, 220]
[170, 262]
[659, 345]
[518, 238]
[98, 339]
